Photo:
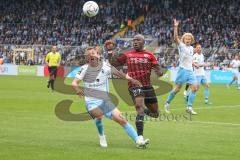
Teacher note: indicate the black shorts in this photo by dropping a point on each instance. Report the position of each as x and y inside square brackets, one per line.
[147, 92]
[52, 71]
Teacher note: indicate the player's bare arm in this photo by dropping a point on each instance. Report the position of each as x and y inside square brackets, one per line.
[75, 85]
[113, 59]
[124, 76]
[175, 31]
[158, 70]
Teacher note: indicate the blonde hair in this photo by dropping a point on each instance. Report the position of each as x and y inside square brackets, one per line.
[188, 34]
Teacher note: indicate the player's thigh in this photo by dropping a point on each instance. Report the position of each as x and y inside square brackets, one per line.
[181, 77]
[93, 108]
[153, 107]
[199, 80]
[49, 70]
[54, 73]
[137, 95]
[204, 82]
[150, 99]
[177, 88]
[191, 78]
[139, 101]
[236, 75]
[96, 113]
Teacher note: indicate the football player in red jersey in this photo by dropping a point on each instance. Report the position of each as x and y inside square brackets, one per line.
[140, 63]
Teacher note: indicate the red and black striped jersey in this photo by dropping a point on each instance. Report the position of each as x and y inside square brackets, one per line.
[139, 65]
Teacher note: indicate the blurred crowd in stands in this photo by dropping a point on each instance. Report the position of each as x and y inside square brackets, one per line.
[41, 23]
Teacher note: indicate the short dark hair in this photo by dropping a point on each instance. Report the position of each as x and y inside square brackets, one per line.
[197, 44]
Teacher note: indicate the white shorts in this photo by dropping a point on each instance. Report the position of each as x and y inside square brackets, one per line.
[235, 72]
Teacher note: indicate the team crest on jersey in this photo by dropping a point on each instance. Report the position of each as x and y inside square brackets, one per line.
[145, 55]
[138, 60]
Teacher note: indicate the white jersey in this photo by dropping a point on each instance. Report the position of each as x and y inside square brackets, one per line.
[95, 81]
[199, 59]
[235, 64]
[186, 56]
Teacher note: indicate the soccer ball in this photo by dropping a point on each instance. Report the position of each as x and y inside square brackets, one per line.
[90, 8]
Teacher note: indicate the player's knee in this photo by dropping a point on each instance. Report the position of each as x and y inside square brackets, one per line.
[198, 87]
[119, 118]
[122, 121]
[194, 88]
[99, 118]
[139, 105]
[177, 89]
[140, 109]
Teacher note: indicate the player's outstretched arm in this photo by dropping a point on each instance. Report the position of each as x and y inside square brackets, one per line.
[75, 85]
[124, 76]
[116, 60]
[158, 70]
[175, 31]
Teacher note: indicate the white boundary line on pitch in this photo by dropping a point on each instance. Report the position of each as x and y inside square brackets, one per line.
[211, 107]
[215, 123]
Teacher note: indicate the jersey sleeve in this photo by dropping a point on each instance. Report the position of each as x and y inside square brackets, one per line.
[81, 73]
[153, 60]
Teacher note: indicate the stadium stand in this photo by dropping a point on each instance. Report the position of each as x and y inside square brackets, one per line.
[23, 24]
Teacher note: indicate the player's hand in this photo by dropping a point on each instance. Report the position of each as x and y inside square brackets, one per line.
[112, 53]
[159, 73]
[136, 82]
[80, 93]
[175, 22]
[196, 65]
[207, 64]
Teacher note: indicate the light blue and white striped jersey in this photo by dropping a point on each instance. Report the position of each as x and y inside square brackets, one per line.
[95, 81]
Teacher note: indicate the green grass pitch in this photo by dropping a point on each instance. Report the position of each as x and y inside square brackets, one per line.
[30, 130]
